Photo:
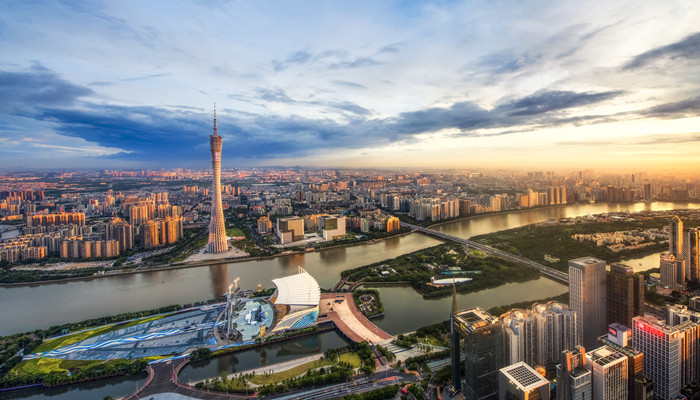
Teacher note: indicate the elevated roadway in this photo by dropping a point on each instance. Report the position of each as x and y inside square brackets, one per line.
[549, 272]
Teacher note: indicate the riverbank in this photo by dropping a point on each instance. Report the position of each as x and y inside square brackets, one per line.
[182, 265]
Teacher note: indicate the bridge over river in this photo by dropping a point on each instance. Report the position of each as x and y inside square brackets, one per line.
[549, 272]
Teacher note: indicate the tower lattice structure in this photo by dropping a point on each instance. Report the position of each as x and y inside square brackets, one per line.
[217, 230]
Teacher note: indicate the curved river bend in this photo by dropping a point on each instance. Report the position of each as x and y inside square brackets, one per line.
[36, 306]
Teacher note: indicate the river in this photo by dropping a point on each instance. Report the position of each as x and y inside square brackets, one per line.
[35, 306]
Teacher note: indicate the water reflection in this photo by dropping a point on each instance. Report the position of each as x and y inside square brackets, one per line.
[26, 307]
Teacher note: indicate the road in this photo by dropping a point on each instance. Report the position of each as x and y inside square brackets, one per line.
[544, 270]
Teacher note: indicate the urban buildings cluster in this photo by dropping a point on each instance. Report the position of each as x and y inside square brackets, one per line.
[602, 346]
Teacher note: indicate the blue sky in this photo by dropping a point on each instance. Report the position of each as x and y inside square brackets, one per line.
[536, 84]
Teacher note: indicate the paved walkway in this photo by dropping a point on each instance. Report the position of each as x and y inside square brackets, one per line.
[349, 319]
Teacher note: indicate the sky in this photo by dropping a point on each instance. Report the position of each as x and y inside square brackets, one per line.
[396, 84]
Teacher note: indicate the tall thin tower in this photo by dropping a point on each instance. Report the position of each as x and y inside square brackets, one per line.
[217, 230]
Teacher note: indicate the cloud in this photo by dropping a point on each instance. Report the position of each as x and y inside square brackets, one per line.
[359, 62]
[297, 57]
[349, 84]
[546, 101]
[687, 48]
[144, 77]
[21, 91]
[680, 109]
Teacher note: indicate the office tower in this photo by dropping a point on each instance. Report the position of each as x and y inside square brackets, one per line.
[672, 270]
[624, 294]
[217, 230]
[619, 338]
[332, 226]
[610, 374]
[647, 192]
[691, 254]
[556, 331]
[520, 382]
[670, 354]
[482, 342]
[455, 340]
[519, 337]
[677, 314]
[574, 380]
[290, 229]
[675, 237]
[587, 298]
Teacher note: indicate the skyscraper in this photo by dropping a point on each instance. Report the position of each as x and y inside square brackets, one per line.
[675, 237]
[556, 331]
[670, 354]
[587, 297]
[610, 373]
[482, 341]
[217, 230]
[691, 254]
[520, 382]
[574, 380]
[625, 294]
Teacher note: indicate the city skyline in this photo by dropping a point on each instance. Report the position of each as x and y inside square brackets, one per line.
[441, 85]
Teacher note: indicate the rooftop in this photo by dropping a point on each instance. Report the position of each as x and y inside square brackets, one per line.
[298, 290]
[523, 376]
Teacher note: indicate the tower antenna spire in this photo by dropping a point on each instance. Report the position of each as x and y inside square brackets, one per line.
[215, 133]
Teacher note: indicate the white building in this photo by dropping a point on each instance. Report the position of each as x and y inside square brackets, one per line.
[670, 354]
[521, 382]
[609, 368]
[296, 299]
[332, 226]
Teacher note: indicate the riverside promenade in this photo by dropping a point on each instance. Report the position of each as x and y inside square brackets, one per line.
[340, 308]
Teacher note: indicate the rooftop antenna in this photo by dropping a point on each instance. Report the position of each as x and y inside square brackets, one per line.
[215, 133]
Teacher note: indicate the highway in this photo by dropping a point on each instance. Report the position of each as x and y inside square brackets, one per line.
[544, 270]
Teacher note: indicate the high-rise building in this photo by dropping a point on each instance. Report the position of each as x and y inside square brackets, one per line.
[610, 374]
[217, 230]
[520, 382]
[670, 354]
[556, 331]
[691, 254]
[677, 314]
[675, 237]
[574, 380]
[482, 343]
[647, 192]
[672, 270]
[150, 234]
[587, 297]
[639, 387]
[624, 294]
[519, 337]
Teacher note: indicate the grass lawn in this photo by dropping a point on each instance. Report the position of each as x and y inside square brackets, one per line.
[477, 253]
[234, 232]
[351, 358]
[289, 373]
[47, 365]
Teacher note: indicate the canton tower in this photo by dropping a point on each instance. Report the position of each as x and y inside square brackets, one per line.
[217, 231]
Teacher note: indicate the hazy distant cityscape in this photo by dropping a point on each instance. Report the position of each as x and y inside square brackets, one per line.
[430, 200]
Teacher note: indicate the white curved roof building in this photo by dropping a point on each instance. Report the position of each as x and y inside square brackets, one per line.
[298, 290]
[296, 299]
